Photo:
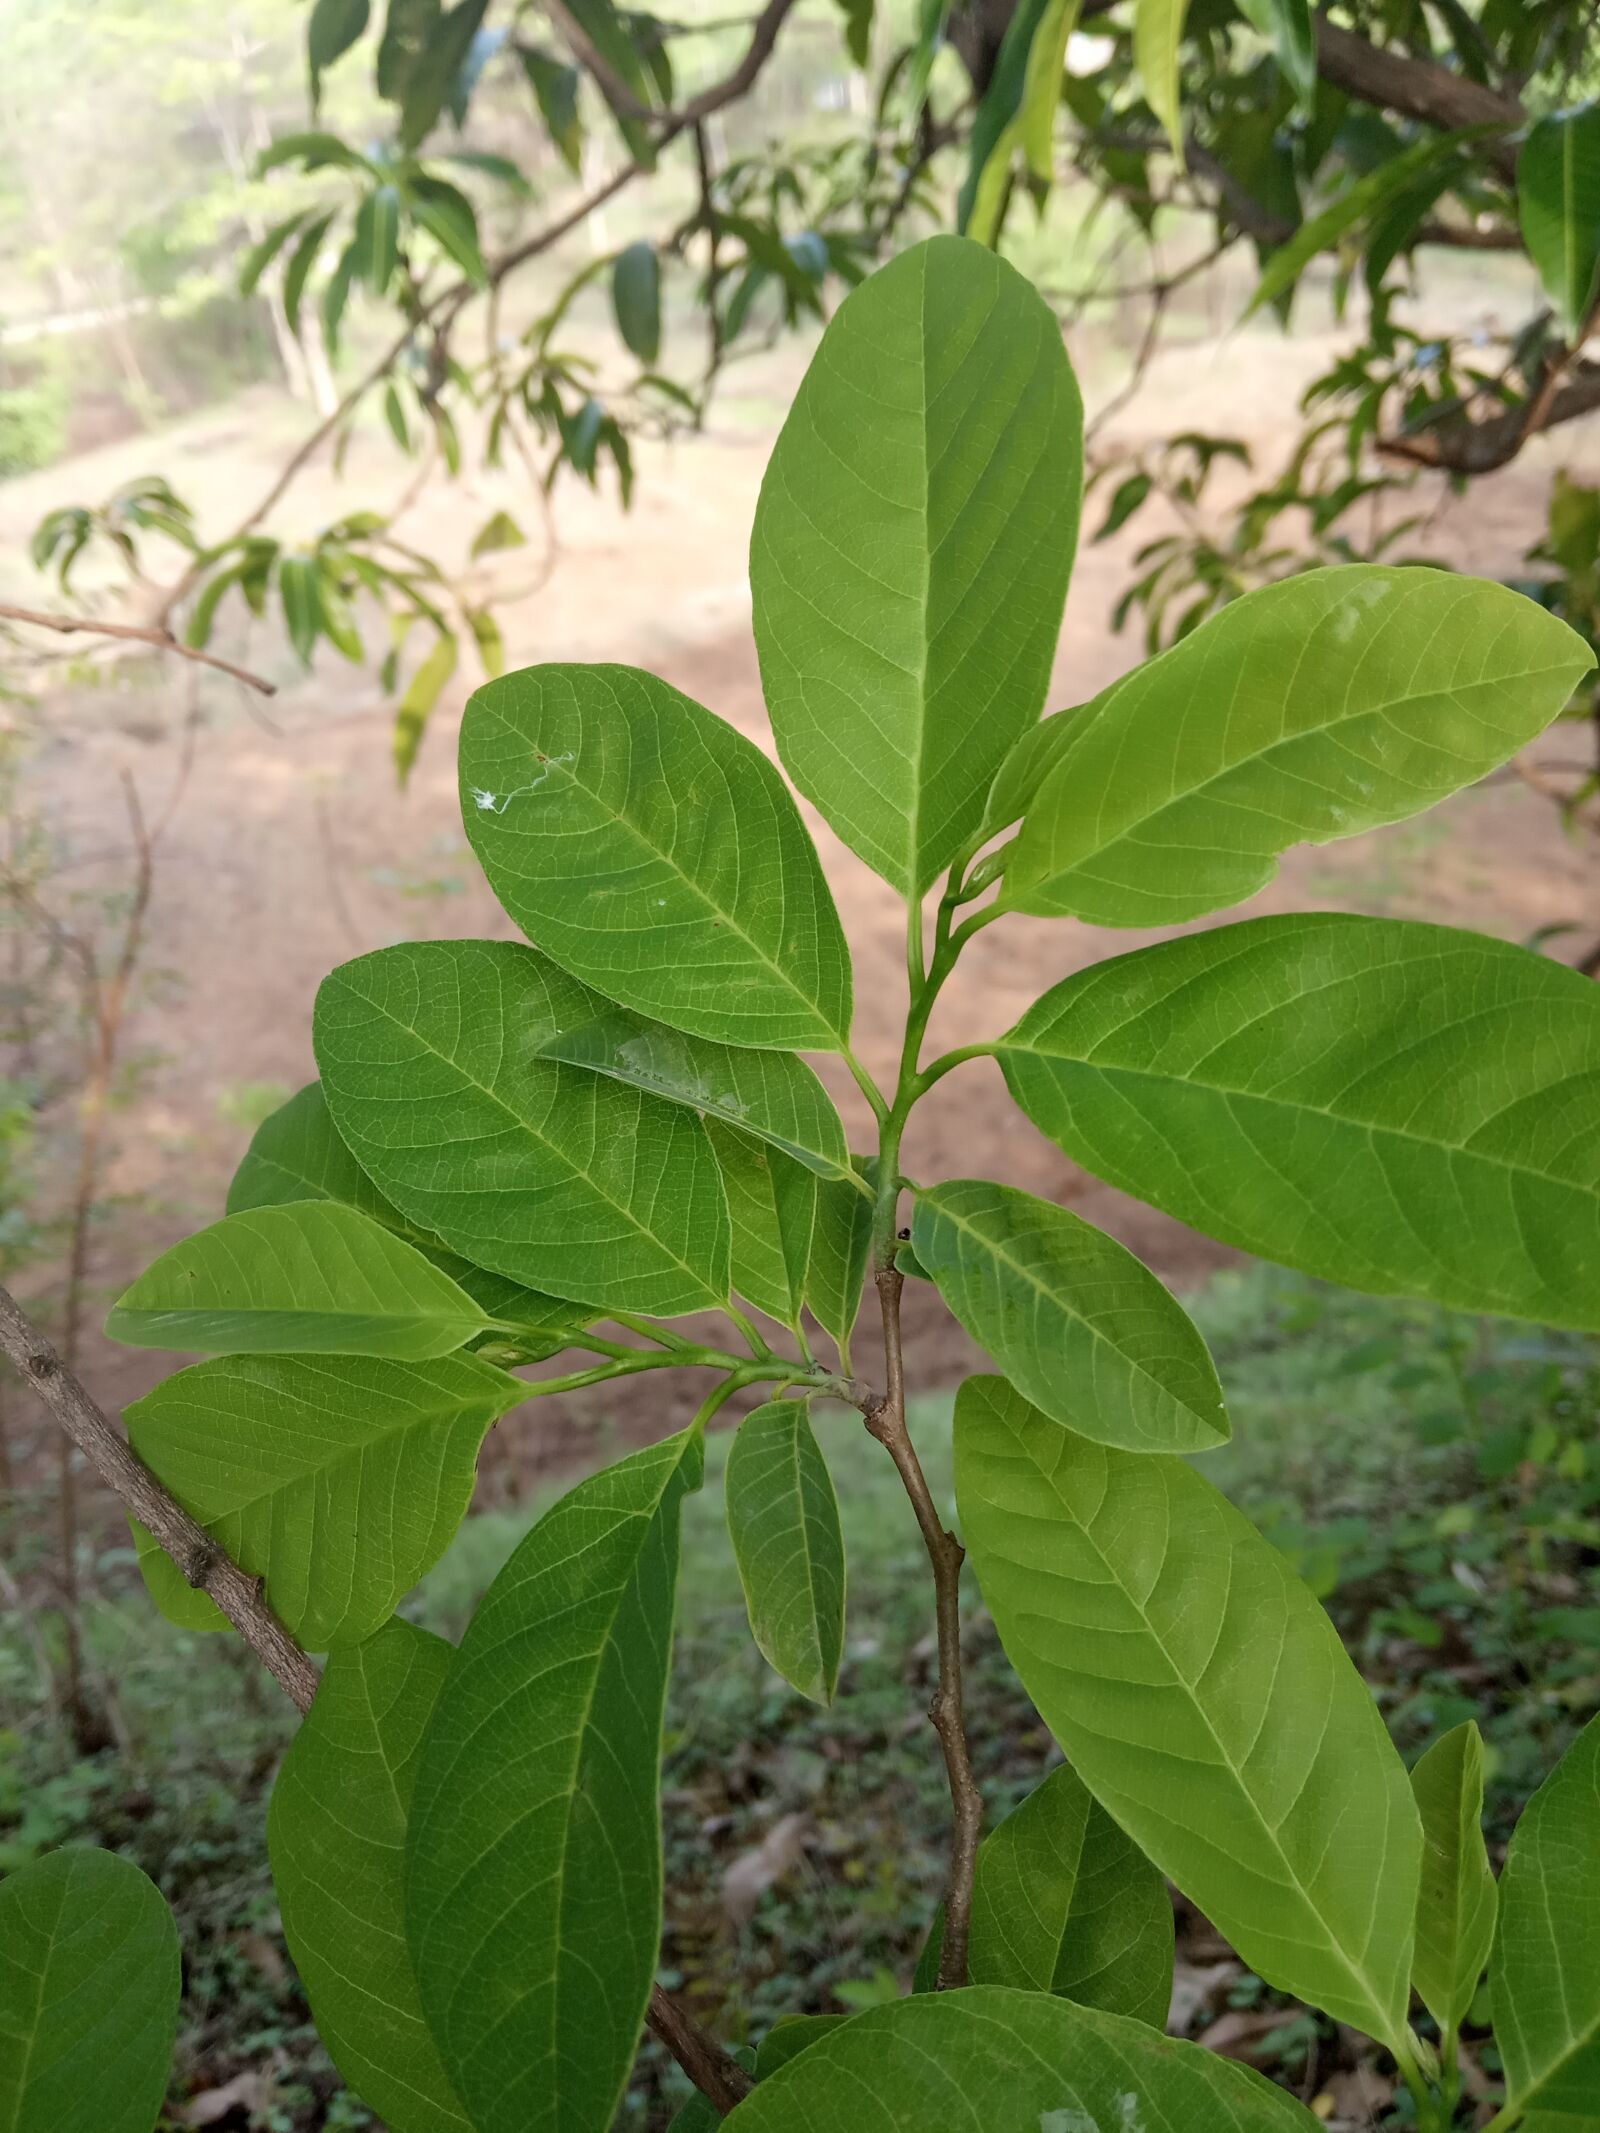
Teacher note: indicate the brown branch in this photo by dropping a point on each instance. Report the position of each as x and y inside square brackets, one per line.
[1480, 447]
[156, 634]
[618, 93]
[1419, 89]
[886, 1420]
[206, 1566]
[210, 1569]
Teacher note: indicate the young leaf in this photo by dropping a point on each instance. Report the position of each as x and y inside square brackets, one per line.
[1011, 2062]
[562, 1179]
[418, 704]
[89, 1984]
[1157, 34]
[636, 299]
[912, 547]
[533, 1857]
[1546, 1967]
[1291, 1084]
[339, 1480]
[312, 1279]
[772, 1205]
[1456, 1902]
[1080, 1327]
[1063, 1902]
[336, 1830]
[1203, 1697]
[655, 853]
[841, 1244]
[783, 1518]
[773, 1095]
[1308, 710]
[1558, 198]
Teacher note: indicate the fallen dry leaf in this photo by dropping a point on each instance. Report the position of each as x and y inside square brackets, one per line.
[750, 1876]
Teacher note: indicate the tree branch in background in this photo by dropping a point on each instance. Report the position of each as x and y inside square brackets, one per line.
[1418, 89]
[764, 35]
[210, 1569]
[156, 634]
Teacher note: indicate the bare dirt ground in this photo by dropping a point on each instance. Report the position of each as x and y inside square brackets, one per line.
[289, 847]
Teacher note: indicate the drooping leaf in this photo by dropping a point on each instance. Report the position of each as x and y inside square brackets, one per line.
[636, 299]
[450, 219]
[1078, 1324]
[533, 1860]
[912, 547]
[1456, 1903]
[334, 27]
[555, 89]
[296, 274]
[432, 79]
[841, 1244]
[420, 701]
[1011, 2062]
[1558, 199]
[783, 1518]
[772, 1206]
[336, 1830]
[338, 1479]
[655, 853]
[1203, 1697]
[556, 1177]
[1546, 1967]
[620, 51]
[257, 260]
[996, 128]
[302, 604]
[1288, 23]
[315, 1278]
[1064, 1902]
[1157, 35]
[773, 1095]
[1403, 1108]
[1308, 710]
[378, 237]
[89, 1984]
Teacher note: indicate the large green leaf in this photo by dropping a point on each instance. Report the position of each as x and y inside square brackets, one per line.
[912, 548]
[560, 1178]
[337, 1479]
[336, 1831]
[1064, 1902]
[655, 853]
[1203, 1697]
[1558, 199]
[1079, 1326]
[533, 1862]
[297, 1155]
[1546, 1966]
[89, 1983]
[1408, 1109]
[1309, 710]
[1157, 35]
[783, 1517]
[1010, 2062]
[315, 1278]
[772, 1205]
[771, 1094]
[1456, 1901]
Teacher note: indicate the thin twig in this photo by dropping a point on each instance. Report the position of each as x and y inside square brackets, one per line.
[721, 2080]
[886, 1420]
[156, 634]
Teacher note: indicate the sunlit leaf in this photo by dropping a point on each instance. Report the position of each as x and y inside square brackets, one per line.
[420, 701]
[1558, 199]
[1157, 36]
[1456, 1903]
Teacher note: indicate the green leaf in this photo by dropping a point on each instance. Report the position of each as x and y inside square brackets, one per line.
[311, 1279]
[1558, 199]
[450, 219]
[559, 1178]
[431, 81]
[783, 1518]
[619, 51]
[1010, 2062]
[486, 636]
[1306, 711]
[1157, 34]
[1203, 1697]
[911, 551]
[1546, 1967]
[636, 299]
[498, 531]
[1063, 1902]
[297, 272]
[1288, 23]
[1456, 1903]
[772, 1206]
[841, 1244]
[789, 2036]
[655, 853]
[1364, 198]
[299, 590]
[773, 1095]
[378, 237]
[1399, 1107]
[334, 27]
[555, 89]
[1080, 1327]
[257, 260]
[858, 29]
[1025, 769]
[1041, 91]
[417, 706]
[312, 151]
[336, 1830]
[996, 129]
[89, 1983]
[339, 1480]
[533, 1864]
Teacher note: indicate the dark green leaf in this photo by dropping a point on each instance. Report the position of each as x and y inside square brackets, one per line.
[334, 27]
[542, 1765]
[655, 853]
[431, 80]
[783, 1518]
[636, 299]
[555, 88]
[450, 219]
